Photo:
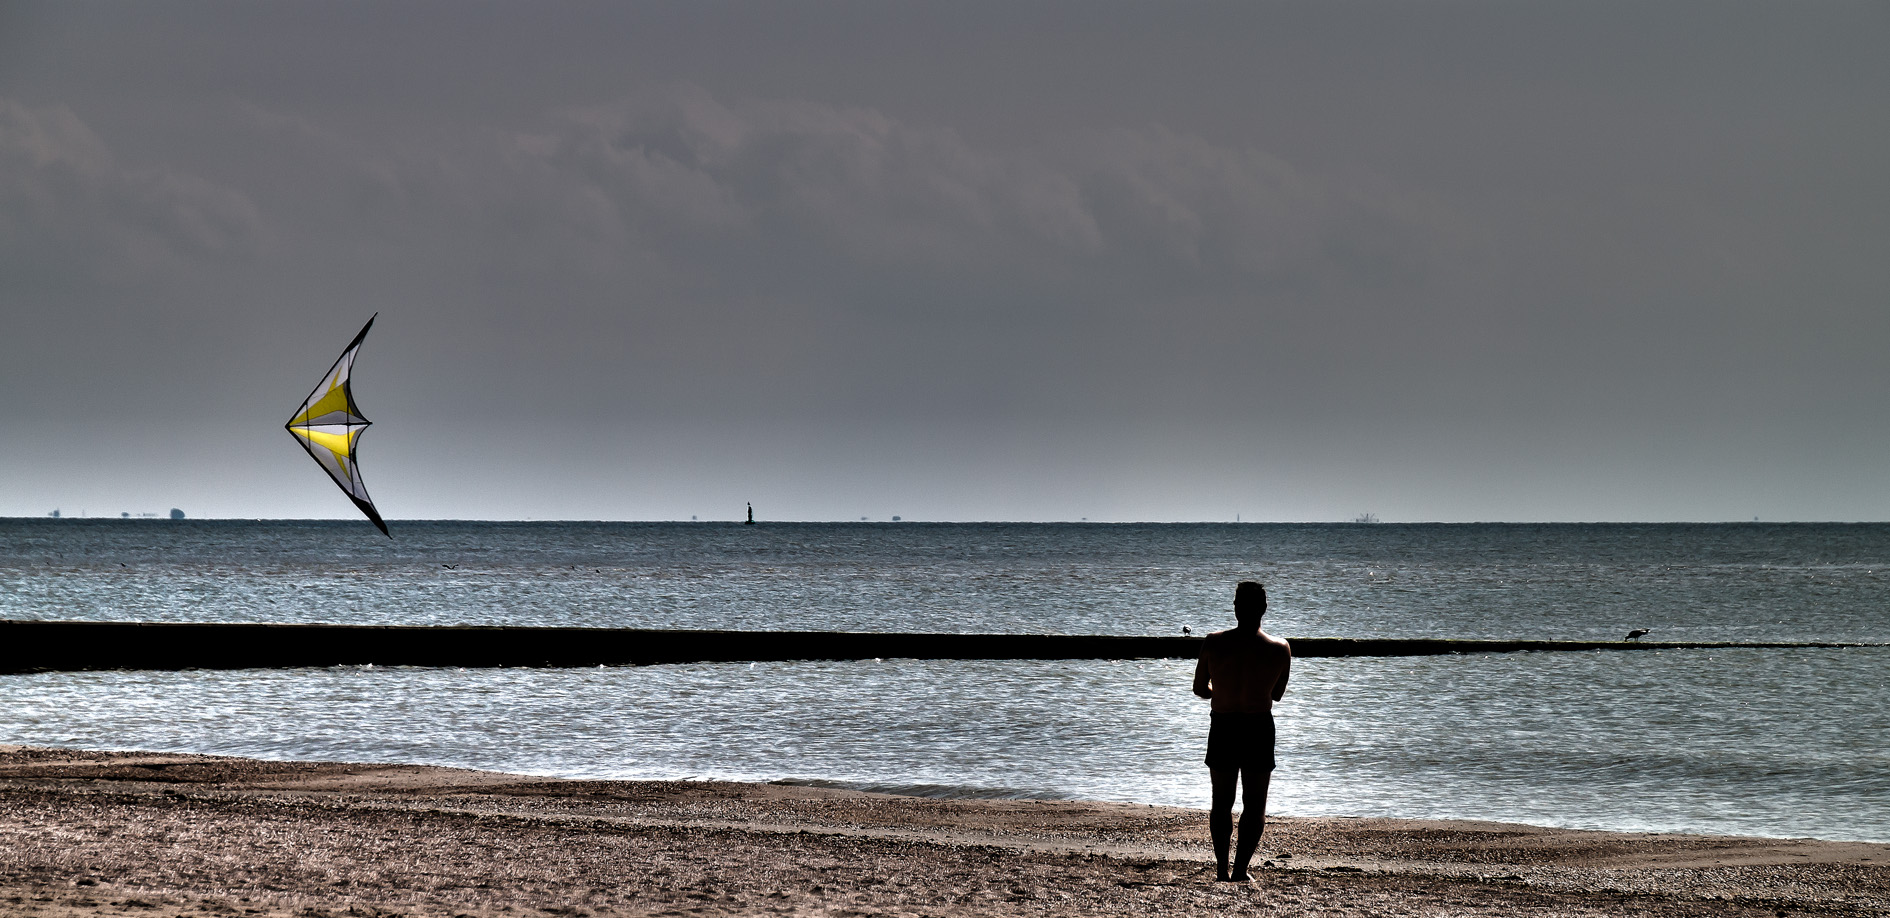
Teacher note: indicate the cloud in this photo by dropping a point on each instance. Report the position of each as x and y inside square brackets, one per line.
[676, 191]
[691, 176]
[858, 268]
[619, 259]
[69, 210]
[867, 186]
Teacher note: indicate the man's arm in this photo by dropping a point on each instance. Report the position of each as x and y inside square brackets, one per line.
[1201, 686]
[1286, 669]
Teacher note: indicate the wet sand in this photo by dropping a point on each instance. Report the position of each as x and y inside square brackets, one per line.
[84, 834]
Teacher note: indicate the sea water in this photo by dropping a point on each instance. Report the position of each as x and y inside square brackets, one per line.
[1781, 742]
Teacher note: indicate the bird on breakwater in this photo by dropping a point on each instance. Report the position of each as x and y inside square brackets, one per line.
[1635, 635]
[1186, 630]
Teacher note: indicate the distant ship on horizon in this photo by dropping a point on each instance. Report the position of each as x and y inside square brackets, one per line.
[175, 514]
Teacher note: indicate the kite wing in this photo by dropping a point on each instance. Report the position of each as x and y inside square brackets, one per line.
[329, 425]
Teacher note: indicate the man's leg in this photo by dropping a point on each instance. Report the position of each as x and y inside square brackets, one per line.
[1253, 815]
[1221, 817]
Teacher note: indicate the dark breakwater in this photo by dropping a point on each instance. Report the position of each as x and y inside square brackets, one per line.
[64, 646]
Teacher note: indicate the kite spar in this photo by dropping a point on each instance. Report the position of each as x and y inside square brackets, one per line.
[329, 425]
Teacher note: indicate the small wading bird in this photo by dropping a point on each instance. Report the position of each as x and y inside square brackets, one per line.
[1635, 635]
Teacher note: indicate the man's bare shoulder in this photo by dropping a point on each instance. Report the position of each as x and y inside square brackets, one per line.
[1239, 638]
[1234, 640]
[1231, 636]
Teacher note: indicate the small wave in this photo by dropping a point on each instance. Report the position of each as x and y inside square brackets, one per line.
[933, 791]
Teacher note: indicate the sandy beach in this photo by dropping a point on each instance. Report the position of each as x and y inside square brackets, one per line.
[88, 833]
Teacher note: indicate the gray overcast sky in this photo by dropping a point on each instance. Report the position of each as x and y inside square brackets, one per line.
[954, 261]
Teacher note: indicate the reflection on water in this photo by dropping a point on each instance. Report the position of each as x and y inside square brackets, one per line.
[1752, 742]
[1782, 743]
[1813, 582]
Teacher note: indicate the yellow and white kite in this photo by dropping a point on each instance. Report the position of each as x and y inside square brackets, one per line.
[329, 425]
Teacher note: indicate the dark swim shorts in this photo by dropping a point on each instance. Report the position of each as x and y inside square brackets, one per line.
[1241, 741]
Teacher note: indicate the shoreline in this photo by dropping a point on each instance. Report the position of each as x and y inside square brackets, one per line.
[104, 833]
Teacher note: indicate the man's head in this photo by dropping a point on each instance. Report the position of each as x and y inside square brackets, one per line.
[1250, 601]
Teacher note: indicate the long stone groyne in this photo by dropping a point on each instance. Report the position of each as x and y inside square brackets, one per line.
[65, 646]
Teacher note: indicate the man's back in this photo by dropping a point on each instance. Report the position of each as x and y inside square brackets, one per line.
[1242, 671]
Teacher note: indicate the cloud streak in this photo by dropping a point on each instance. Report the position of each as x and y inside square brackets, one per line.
[67, 208]
[692, 177]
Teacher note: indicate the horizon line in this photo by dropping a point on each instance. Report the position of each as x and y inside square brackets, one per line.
[898, 521]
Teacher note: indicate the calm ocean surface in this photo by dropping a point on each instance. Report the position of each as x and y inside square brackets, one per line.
[1764, 742]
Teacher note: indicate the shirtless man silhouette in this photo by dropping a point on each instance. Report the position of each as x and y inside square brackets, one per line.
[1242, 672]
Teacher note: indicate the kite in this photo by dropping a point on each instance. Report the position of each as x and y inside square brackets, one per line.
[329, 425]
